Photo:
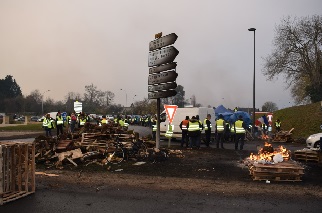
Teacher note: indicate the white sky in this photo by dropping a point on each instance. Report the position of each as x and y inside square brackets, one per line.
[63, 45]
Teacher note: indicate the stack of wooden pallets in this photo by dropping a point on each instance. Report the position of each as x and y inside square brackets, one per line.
[284, 171]
[307, 155]
[17, 170]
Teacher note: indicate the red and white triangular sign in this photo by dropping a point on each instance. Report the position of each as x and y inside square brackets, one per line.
[170, 110]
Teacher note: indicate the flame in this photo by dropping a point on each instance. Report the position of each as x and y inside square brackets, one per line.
[264, 137]
[267, 153]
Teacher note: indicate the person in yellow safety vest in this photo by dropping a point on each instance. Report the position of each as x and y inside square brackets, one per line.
[200, 128]
[264, 128]
[239, 127]
[146, 121]
[232, 133]
[121, 122]
[169, 131]
[278, 125]
[184, 128]
[68, 121]
[59, 123]
[207, 127]
[103, 121]
[47, 125]
[194, 132]
[154, 128]
[220, 131]
[126, 124]
[82, 121]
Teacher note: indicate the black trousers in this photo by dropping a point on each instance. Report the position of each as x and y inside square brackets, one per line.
[184, 138]
[208, 135]
[220, 138]
[59, 129]
[239, 137]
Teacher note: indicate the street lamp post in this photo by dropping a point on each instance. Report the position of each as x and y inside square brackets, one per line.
[42, 102]
[125, 97]
[253, 29]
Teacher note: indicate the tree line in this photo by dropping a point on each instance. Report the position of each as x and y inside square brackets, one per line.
[93, 100]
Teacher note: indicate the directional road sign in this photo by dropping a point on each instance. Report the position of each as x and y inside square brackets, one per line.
[162, 56]
[171, 85]
[163, 67]
[162, 77]
[163, 41]
[162, 94]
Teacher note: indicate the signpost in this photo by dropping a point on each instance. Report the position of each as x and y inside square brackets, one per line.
[166, 86]
[162, 56]
[162, 72]
[162, 68]
[163, 41]
[162, 94]
[162, 77]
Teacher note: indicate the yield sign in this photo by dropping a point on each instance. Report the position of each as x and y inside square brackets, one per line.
[170, 110]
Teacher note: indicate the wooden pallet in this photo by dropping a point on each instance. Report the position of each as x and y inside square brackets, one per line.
[17, 170]
[284, 171]
[307, 155]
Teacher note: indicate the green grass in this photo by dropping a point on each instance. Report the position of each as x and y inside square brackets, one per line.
[28, 127]
[305, 119]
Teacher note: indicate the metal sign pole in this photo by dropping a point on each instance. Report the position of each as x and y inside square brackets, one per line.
[157, 139]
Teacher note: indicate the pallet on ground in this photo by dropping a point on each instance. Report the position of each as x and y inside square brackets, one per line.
[307, 155]
[17, 170]
[284, 171]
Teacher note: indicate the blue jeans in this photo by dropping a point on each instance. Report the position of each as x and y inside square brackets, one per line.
[193, 141]
[48, 131]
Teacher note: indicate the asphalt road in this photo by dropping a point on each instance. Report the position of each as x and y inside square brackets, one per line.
[135, 199]
[109, 199]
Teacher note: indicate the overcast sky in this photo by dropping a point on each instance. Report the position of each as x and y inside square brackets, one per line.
[63, 45]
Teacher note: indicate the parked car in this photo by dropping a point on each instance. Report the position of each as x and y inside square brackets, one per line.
[34, 118]
[314, 141]
[110, 117]
[22, 118]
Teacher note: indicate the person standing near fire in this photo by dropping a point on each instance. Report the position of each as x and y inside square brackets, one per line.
[194, 132]
[220, 131]
[240, 130]
[47, 125]
[200, 128]
[207, 127]
[278, 125]
[59, 123]
[184, 128]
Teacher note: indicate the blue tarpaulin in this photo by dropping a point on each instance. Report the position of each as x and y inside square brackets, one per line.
[221, 110]
[230, 116]
[245, 115]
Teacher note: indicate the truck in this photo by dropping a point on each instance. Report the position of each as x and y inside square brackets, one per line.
[181, 114]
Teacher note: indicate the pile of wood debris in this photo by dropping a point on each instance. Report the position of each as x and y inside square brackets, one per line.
[104, 144]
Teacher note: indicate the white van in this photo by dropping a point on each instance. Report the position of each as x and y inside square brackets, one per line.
[181, 114]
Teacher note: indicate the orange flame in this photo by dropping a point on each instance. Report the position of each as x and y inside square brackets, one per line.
[263, 154]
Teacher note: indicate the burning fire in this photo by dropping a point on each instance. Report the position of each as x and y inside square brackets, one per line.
[267, 153]
[264, 137]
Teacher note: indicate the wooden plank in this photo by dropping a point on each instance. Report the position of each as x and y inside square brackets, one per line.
[13, 168]
[26, 167]
[33, 168]
[1, 174]
[19, 174]
[7, 170]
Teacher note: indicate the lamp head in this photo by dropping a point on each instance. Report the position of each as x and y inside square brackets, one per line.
[251, 29]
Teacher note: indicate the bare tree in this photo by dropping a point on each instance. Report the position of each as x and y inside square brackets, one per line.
[298, 57]
[269, 107]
